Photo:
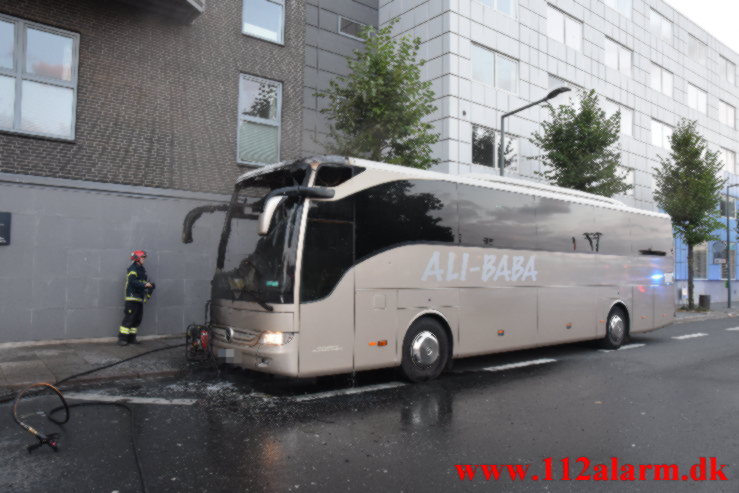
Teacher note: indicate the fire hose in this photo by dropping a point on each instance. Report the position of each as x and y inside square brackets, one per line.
[51, 439]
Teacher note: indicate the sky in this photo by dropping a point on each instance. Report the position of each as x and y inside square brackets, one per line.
[718, 17]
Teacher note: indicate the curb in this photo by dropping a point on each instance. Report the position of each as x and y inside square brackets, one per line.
[101, 379]
[706, 316]
[95, 340]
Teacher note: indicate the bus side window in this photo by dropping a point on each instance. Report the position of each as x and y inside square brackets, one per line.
[566, 227]
[329, 247]
[496, 218]
[402, 212]
[613, 229]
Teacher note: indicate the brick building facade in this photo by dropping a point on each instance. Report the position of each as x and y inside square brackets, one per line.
[116, 118]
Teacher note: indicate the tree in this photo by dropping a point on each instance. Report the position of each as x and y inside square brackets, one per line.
[579, 146]
[689, 190]
[377, 110]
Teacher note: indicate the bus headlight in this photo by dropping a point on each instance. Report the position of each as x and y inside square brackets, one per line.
[276, 338]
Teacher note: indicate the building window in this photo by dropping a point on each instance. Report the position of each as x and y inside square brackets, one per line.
[264, 19]
[494, 69]
[697, 99]
[700, 261]
[623, 6]
[618, 57]
[732, 207]
[508, 7]
[38, 79]
[727, 114]
[563, 28]
[732, 256]
[729, 159]
[260, 104]
[697, 50]
[661, 80]
[351, 28]
[661, 133]
[660, 26]
[629, 179]
[485, 142]
[627, 115]
[728, 71]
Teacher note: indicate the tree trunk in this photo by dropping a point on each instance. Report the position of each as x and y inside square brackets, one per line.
[691, 306]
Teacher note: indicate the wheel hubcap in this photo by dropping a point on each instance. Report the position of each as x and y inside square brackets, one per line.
[617, 328]
[425, 349]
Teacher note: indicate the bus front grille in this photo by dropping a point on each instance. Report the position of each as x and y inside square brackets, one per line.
[238, 337]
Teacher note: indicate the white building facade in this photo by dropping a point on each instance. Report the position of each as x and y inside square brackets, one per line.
[487, 57]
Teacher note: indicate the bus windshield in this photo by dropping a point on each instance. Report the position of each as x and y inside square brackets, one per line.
[257, 268]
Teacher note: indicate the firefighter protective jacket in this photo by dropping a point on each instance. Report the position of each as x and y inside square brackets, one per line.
[135, 281]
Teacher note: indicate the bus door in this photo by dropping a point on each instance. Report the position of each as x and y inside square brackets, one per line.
[326, 334]
[569, 237]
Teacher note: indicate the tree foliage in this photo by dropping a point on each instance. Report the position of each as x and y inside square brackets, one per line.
[689, 189]
[579, 147]
[377, 110]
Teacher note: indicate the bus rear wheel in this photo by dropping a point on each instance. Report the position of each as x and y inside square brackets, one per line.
[425, 350]
[616, 329]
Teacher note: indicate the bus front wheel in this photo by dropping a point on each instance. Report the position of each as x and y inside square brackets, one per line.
[616, 329]
[425, 350]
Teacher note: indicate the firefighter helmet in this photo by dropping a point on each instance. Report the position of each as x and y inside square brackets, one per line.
[138, 255]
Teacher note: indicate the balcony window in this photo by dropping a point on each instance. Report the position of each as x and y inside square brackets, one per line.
[618, 57]
[494, 69]
[627, 115]
[697, 50]
[264, 19]
[660, 26]
[728, 158]
[564, 28]
[38, 79]
[351, 28]
[727, 114]
[622, 6]
[728, 71]
[260, 102]
[697, 99]
[485, 142]
[661, 80]
[507, 7]
[661, 133]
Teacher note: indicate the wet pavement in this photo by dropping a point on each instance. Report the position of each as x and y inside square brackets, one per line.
[659, 400]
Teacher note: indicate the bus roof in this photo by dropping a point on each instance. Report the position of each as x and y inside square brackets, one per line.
[483, 180]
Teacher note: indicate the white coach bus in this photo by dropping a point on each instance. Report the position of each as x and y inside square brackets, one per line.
[330, 265]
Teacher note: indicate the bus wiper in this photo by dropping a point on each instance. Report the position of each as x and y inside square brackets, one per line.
[255, 296]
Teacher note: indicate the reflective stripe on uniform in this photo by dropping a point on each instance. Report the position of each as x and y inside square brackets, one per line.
[130, 298]
[125, 330]
[133, 330]
[132, 273]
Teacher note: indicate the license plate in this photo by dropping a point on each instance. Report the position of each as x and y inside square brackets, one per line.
[225, 353]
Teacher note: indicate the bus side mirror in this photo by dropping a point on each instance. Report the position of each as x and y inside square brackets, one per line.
[265, 218]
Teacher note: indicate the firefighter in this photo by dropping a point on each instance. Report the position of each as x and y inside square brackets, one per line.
[138, 291]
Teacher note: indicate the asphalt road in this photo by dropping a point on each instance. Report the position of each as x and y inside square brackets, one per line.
[660, 400]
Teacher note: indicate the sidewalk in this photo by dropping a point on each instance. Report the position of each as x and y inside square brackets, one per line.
[50, 361]
[718, 310]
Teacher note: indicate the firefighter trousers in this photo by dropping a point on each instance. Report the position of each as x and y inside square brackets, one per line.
[132, 314]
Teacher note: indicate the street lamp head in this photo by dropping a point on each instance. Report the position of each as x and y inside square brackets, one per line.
[556, 92]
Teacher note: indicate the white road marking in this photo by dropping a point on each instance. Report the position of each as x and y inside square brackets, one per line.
[128, 400]
[351, 391]
[627, 346]
[521, 364]
[690, 336]
[735, 329]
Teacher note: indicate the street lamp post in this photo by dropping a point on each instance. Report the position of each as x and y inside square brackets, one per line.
[501, 152]
[728, 246]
